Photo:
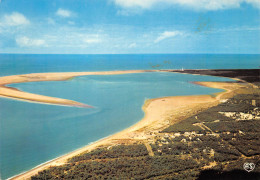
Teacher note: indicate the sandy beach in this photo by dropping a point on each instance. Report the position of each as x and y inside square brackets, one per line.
[157, 111]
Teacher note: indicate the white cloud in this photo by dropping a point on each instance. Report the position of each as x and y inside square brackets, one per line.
[63, 13]
[28, 42]
[132, 45]
[92, 40]
[195, 4]
[135, 3]
[167, 34]
[234, 29]
[255, 3]
[15, 19]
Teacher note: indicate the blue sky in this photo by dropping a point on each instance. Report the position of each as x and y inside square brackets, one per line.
[129, 26]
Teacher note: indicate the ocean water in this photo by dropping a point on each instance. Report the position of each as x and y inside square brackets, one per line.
[11, 64]
[32, 133]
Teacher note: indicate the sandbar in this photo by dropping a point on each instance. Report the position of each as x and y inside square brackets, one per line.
[14, 93]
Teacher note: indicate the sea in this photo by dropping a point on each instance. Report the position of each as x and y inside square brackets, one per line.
[34, 133]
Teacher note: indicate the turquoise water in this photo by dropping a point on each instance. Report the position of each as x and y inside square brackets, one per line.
[35, 133]
[31, 133]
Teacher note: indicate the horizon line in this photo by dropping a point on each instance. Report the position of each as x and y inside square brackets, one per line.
[130, 54]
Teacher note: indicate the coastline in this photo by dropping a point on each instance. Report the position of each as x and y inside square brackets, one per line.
[156, 114]
[148, 120]
[14, 93]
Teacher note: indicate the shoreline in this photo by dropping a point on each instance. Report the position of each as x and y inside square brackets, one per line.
[14, 93]
[155, 118]
[124, 134]
[10, 92]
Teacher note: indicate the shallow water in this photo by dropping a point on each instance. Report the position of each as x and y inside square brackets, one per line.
[33, 133]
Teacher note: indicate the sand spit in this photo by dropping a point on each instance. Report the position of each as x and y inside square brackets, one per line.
[157, 113]
[14, 93]
[20, 95]
[59, 76]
